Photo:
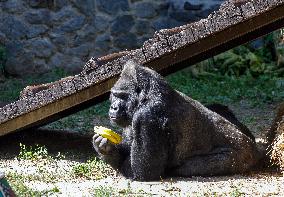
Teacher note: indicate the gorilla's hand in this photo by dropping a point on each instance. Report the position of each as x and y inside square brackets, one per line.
[107, 151]
[102, 145]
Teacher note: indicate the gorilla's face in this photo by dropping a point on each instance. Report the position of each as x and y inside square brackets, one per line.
[129, 93]
[122, 107]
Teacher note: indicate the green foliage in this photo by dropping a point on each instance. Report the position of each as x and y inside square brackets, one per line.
[33, 153]
[10, 90]
[242, 60]
[267, 52]
[92, 169]
[59, 72]
[3, 58]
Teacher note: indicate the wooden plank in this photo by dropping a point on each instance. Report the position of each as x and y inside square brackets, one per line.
[218, 42]
[53, 108]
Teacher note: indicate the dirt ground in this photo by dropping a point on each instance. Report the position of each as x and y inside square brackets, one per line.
[78, 149]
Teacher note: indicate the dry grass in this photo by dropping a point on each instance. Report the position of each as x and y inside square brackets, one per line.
[277, 146]
[277, 153]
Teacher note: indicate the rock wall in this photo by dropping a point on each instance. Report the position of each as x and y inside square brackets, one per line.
[42, 35]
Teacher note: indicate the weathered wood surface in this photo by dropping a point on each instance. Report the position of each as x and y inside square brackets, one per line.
[168, 51]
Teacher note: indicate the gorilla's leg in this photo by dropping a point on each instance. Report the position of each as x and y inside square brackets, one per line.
[221, 161]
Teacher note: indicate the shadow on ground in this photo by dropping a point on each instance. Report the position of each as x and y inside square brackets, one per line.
[74, 145]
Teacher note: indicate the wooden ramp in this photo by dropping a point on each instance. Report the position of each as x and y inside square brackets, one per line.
[168, 51]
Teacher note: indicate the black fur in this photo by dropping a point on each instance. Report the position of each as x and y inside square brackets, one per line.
[166, 133]
[229, 115]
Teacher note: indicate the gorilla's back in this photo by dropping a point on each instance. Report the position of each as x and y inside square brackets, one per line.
[197, 130]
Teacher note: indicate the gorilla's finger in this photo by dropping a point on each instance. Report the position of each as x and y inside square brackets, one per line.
[96, 136]
[103, 143]
[98, 140]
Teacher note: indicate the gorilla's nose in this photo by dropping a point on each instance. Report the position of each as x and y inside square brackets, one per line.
[113, 108]
[112, 113]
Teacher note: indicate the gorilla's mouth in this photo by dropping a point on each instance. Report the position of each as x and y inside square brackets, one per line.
[119, 121]
[116, 119]
[112, 118]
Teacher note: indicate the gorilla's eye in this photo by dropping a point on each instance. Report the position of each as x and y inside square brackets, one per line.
[121, 95]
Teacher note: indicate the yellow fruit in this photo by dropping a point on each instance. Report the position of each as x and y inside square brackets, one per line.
[108, 133]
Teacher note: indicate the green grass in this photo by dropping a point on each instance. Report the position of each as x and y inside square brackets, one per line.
[82, 121]
[224, 89]
[3, 58]
[93, 169]
[236, 193]
[37, 153]
[109, 191]
[19, 186]
[41, 159]
[11, 88]
[103, 192]
[33, 153]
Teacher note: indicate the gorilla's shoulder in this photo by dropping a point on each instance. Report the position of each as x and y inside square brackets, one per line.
[149, 112]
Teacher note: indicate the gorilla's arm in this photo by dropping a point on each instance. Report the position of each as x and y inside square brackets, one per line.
[142, 158]
[149, 151]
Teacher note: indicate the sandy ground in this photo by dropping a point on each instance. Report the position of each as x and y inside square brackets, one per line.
[257, 183]
[254, 184]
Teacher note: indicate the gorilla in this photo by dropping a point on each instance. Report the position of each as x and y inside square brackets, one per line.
[229, 115]
[166, 133]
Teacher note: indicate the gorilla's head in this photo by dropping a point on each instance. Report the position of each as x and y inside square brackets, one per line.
[136, 86]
